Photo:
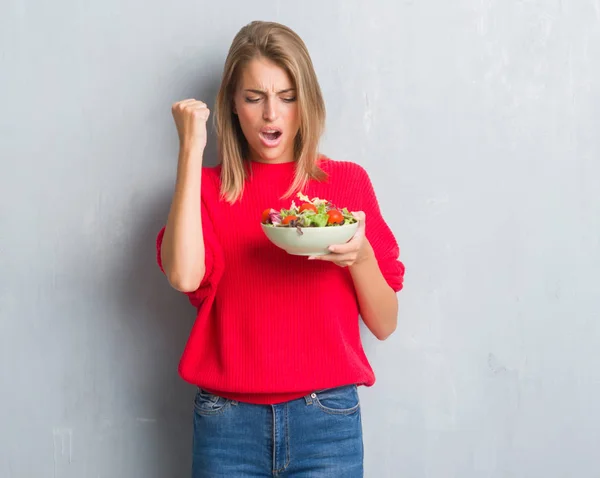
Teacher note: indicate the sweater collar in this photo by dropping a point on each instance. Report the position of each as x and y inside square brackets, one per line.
[267, 169]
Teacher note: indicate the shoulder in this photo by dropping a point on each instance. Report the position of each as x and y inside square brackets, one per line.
[343, 170]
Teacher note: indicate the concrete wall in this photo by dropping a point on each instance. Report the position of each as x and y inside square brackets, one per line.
[478, 121]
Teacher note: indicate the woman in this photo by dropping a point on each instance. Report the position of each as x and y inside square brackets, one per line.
[275, 349]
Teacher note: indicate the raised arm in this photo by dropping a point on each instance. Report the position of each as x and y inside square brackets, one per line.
[182, 250]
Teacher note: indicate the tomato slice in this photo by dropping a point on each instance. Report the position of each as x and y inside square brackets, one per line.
[335, 217]
[265, 216]
[289, 219]
[308, 207]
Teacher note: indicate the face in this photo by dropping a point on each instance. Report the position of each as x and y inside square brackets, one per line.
[265, 103]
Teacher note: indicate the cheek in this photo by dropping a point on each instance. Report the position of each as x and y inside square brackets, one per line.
[292, 116]
[247, 117]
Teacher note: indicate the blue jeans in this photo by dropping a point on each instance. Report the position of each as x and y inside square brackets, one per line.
[317, 436]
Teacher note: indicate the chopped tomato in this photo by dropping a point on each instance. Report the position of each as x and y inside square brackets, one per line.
[289, 219]
[335, 217]
[308, 207]
[265, 215]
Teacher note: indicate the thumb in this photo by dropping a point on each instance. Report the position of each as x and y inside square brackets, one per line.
[361, 218]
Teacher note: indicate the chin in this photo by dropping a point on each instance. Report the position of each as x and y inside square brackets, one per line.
[271, 155]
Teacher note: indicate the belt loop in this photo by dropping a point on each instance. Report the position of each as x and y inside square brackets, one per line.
[310, 398]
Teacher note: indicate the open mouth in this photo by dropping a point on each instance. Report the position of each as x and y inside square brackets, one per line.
[271, 135]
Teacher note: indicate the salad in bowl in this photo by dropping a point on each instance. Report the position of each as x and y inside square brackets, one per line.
[308, 229]
[311, 213]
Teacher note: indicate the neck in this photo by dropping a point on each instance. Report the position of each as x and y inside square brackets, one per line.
[285, 157]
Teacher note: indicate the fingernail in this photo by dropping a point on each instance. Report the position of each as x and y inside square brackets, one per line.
[311, 258]
[331, 248]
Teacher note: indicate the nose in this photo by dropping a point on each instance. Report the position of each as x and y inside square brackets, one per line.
[270, 110]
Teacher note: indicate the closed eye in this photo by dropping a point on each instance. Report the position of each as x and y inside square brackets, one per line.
[252, 100]
[289, 100]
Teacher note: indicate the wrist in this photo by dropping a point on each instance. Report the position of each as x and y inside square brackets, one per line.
[192, 151]
[365, 255]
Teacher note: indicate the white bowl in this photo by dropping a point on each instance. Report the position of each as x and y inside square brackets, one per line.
[314, 241]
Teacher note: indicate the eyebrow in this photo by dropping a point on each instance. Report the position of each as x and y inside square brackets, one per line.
[262, 92]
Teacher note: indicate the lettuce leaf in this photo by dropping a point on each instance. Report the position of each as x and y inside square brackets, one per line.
[310, 219]
[348, 217]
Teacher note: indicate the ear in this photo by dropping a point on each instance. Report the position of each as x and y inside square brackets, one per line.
[233, 108]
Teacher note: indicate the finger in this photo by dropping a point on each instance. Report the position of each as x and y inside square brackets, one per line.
[352, 246]
[361, 218]
[342, 263]
[195, 107]
[182, 103]
[189, 104]
[334, 257]
[359, 215]
[202, 113]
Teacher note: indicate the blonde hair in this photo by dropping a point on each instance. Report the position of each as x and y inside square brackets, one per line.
[286, 49]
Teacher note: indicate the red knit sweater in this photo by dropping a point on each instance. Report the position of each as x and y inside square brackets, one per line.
[270, 326]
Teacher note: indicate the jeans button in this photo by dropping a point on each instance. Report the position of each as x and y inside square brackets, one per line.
[313, 395]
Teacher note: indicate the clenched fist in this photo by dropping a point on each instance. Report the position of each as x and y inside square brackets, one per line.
[190, 118]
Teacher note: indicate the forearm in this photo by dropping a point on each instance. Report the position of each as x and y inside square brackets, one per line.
[378, 302]
[182, 251]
